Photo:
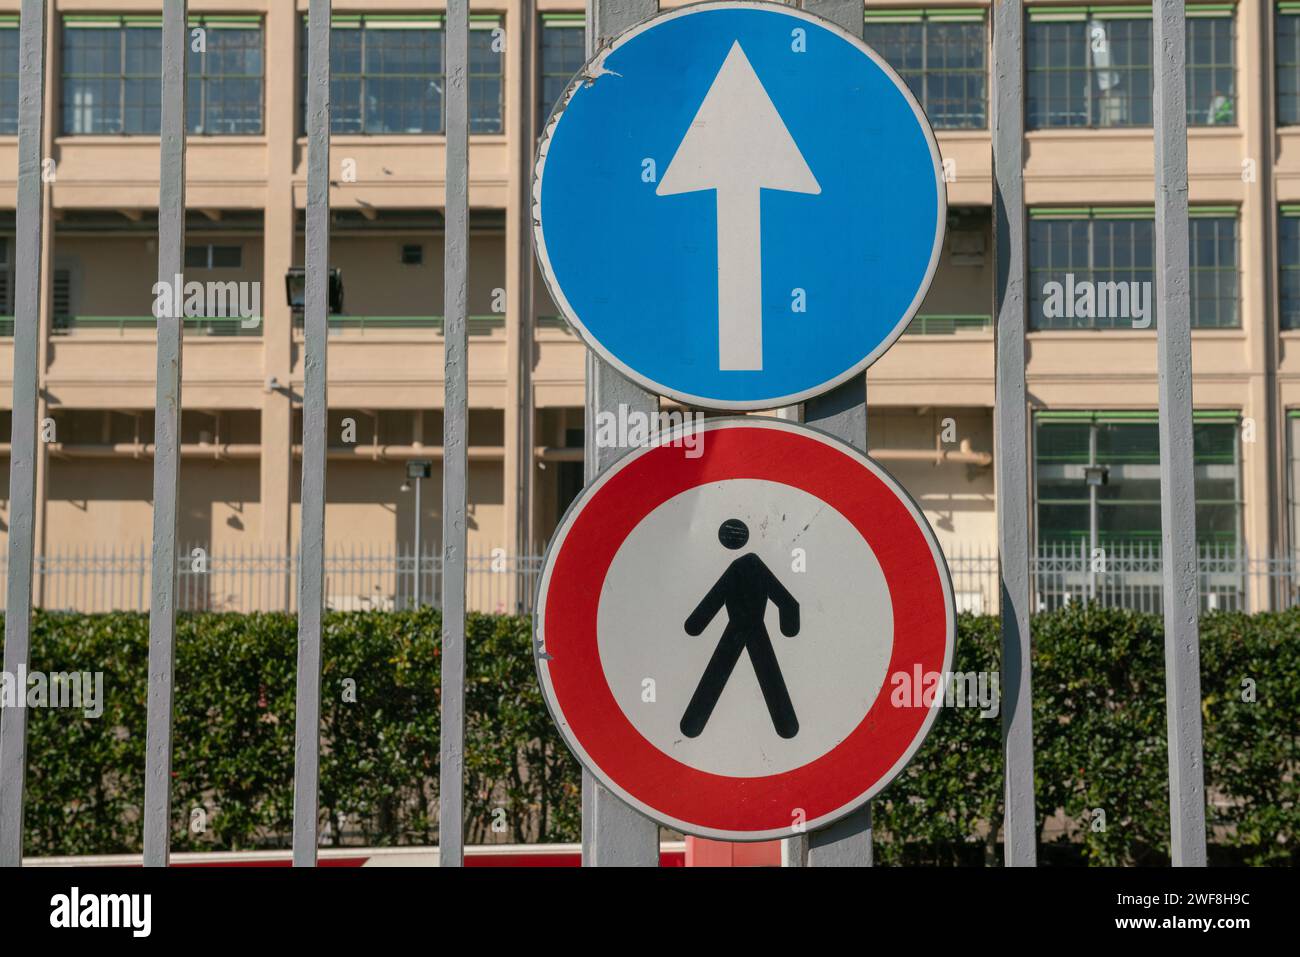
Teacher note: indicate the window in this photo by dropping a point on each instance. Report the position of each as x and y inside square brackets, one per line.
[1124, 508]
[387, 74]
[61, 306]
[1293, 477]
[225, 78]
[6, 280]
[112, 71]
[1088, 68]
[563, 53]
[1288, 236]
[208, 256]
[1214, 278]
[8, 76]
[1091, 67]
[485, 85]
[112, 76]
[1211, 67]
[1094, 268]
[940, 55]
[1287, 55]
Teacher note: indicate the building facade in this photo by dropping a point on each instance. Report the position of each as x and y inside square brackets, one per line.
[1091, 351]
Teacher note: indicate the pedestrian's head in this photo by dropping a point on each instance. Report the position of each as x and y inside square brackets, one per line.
[733, 533]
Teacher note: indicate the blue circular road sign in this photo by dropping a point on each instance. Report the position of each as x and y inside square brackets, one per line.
[738, 205]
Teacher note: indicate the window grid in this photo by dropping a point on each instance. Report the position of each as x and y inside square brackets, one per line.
[1289, 271]
[1214, 278]
[943, 64]
[1128, 507]
[224, 94]
[563, 53]
[1089, 73]
[1211, 71]
[8, 78]
[1114, 249]
[1287, 53]
[112, 80]
[1098, 72]
[389, 79]
[485, 84]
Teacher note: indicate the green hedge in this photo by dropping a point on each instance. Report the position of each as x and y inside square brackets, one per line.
[1099, 728]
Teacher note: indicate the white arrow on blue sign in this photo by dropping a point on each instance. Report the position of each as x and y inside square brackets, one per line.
[738, 205]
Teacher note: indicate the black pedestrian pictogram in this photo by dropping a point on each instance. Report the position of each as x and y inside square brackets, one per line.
[745, 588]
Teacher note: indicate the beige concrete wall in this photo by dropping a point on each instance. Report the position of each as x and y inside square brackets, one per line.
[957, 498]
[115, 275]
[107, 503]
[377, 283]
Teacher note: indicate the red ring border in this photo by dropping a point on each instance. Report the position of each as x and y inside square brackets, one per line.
[584, 704]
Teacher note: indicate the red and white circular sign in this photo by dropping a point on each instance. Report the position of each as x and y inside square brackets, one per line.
[725, 619]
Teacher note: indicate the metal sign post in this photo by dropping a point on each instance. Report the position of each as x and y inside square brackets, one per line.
[167, 428]
[613, 834]
[455, 442]
[23, 449]
[1011, 464]
[1177, 478]
[843, 413]
[315, 418]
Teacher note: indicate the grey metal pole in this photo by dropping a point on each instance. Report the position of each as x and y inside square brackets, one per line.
[1011, 463]
[613, 834]
[1178, 487]
[416, 589]
[455, 425]
[529, 91]
[23, 450]
[167, 427]
[311, 575]
[843, 413]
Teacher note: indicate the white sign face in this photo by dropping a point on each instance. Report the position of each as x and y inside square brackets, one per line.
[832, 669]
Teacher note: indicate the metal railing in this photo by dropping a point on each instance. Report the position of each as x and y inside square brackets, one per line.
[1127, 575]
[194, 326]
[383, 578]
[357, 578]
[477, 325]
[937, 325]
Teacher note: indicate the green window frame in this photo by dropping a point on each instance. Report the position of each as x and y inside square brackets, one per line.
[1211, 65]
[1126, 444]
[1288, 262]
[1117, 245]
[112, 76]
[226, 79]
[388, 71]
[1092, 67]
[1286, 55]
[942, 56]
[8, 76]
[562, 52]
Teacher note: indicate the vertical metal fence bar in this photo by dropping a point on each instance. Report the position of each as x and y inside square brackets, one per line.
[613, 834]
[311, 575]
[23, 449]
[167, 428]
[1011, 428]
[843, 413]
[1177, 483]
[455, 424]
